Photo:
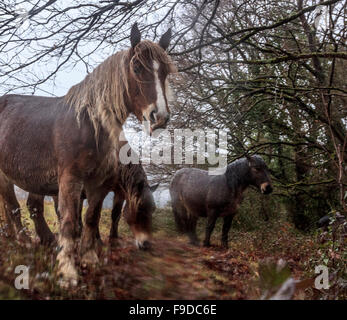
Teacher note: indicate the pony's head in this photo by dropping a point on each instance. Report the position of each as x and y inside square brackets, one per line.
[140, 203]
[148, 84]
[259, 174]
[138, 212]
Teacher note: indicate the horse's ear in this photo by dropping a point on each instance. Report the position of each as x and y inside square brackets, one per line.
[135, 35]
[153, 187]
[249, 158]
[165, 39]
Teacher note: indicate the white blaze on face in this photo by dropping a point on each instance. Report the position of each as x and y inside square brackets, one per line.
[161, 103]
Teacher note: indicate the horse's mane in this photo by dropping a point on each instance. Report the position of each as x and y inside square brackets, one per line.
[102, 93]
[130, 177]
[237, 171]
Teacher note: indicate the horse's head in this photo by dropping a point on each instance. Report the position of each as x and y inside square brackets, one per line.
[138, 213]
[149, 89]
[259, 174]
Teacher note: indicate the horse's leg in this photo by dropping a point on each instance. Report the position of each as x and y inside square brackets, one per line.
[191, 229]
[56, 206]
[12, 210]
[80, 224]
[90, 232]
[211, 222]
[226, 227]
[118, 201]
[6, 220]
[35, 204]
[69, 197]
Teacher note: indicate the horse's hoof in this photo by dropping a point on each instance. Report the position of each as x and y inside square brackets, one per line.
[68, 273]
[195, 243]
[66, 283]
[206, 245]
[89, 259]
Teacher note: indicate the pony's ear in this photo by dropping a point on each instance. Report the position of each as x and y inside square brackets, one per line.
[135, 35]
[153, 187]
[165, 39]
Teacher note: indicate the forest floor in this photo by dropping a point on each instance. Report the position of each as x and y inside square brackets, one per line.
[172, 269]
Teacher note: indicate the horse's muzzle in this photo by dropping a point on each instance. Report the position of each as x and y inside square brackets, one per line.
[145, 245]
[160, 121]
[266, 188]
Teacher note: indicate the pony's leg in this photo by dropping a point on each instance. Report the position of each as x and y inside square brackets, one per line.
[118, 201]
[226, 227]
[12, 210]
[90, 232]
[35, 206]
[211, 222]
[69, 197]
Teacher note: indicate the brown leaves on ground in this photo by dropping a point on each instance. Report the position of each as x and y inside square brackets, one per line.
[172, 269]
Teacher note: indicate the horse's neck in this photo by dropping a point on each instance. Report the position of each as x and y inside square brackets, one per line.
[238, 182]
[240, 189]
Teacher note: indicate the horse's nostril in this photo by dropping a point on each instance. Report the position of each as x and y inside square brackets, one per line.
[268, 189]
[152, 116]
[146, 245]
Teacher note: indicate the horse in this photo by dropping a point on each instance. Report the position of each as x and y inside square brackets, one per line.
[52, 145]
[195, 193]
[129, 185]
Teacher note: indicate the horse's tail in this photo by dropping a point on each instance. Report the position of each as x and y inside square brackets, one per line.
[185, 222]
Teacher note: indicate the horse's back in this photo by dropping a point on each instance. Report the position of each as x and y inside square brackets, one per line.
[26, 104]
[26, 140]
[3, 102]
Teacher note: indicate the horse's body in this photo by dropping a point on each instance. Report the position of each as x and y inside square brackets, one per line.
[196, 194]
[70, 142]
[35, 152]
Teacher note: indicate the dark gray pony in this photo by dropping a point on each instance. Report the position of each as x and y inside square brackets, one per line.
[196, 194]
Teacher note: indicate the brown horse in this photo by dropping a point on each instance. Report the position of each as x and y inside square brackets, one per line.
[66, 144]
[129, 185]
[196, 194]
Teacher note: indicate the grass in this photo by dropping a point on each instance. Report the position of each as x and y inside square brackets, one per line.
[173, 269]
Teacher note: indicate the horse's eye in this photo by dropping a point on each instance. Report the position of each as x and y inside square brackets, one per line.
[137, 70]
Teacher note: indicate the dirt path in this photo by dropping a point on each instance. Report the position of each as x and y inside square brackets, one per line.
[173, 269]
